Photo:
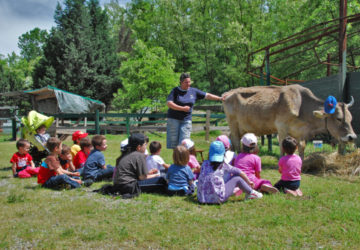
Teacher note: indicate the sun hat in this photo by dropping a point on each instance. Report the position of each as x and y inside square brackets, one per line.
[225, 140]
[330, 105]
[187, 143]
[136, 139]
[77, 135]
[249, 140]
[217, 151]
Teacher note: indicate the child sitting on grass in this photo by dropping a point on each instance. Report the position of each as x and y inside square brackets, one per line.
[51, 174]
[95, 168]
[154, 161]
[218, 179]
[179, 175]
[132, 176]
[41, 135]
[76, 137]
[22, 163]
[66, 158]
[250, 163]
[290, 168]
[81, 157]
[193, 162]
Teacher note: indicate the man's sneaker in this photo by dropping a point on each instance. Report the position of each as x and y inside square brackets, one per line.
[88, 182]
[253, 195]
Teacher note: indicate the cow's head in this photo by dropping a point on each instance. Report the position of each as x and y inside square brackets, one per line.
[339, 123]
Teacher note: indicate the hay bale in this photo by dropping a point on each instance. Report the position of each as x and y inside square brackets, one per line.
[333, 163]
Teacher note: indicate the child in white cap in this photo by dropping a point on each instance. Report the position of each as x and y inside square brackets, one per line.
[193, 162]
[250, 163]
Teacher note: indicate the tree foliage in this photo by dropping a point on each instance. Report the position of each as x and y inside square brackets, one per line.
[147, 78]
[30, 43]
[79, 55]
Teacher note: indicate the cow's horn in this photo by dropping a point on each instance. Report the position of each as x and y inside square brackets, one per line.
[351, 102]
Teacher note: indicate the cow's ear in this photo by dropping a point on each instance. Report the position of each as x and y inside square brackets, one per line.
[320, 114]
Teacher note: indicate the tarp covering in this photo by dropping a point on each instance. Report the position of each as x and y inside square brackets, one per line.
[54, 100]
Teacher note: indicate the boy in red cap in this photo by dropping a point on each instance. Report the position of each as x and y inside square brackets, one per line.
[76, 136]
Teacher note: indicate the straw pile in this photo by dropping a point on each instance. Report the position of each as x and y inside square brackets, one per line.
[333, 163]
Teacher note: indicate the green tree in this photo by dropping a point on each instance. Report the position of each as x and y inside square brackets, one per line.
[80, 55]
[31, 42]
[147, 78]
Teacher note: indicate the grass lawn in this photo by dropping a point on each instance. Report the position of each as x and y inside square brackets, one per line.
[327, 216]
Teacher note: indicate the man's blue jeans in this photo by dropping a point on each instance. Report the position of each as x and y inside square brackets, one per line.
[176, 131]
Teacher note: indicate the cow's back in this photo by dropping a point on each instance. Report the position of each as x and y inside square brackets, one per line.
[258, 109]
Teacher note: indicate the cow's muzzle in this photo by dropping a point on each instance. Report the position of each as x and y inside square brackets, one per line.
[349, 138]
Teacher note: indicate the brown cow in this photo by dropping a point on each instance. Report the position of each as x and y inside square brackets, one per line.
[289, 110]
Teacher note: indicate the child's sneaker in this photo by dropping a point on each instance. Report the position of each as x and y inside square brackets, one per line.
[253, 195]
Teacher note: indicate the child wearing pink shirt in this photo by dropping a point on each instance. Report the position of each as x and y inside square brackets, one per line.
[290, 168]
[250, 164]
[193, 162]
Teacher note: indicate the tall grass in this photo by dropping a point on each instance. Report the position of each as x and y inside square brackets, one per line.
[327, 216]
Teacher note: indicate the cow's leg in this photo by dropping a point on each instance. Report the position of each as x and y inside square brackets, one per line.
[235, 137]
[281, 136]
[301, 148]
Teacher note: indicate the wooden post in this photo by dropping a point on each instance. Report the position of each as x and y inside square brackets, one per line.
[13, 127]
[128, 126]
[207, 125]
[342, 58]
[97, 122]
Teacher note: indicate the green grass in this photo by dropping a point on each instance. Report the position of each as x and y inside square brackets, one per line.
[327, 216]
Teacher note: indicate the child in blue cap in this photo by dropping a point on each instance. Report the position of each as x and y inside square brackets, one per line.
[218, 179]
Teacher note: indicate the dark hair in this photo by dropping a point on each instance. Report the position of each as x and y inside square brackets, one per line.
[52, 143]
[97, 140]
[289, 145]
[183, 76]
[146, 138]
[154, 147]
[65, 149]
[181, 155]
[21, 143]
[85, 142]
[192, 150]
[250, 150]
[215, 164]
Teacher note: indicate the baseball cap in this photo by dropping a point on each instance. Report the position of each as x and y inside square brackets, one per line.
[225, 140]
[187, 143]
[77, 135]
[217, 151]
[330, 105]
[136, 139]
[249, 140]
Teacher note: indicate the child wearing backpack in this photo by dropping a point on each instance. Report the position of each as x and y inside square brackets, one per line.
[218, 179]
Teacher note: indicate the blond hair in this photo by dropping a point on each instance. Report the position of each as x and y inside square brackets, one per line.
[181, 155]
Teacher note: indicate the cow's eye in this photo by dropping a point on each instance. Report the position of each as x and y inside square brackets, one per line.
[339, 119]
